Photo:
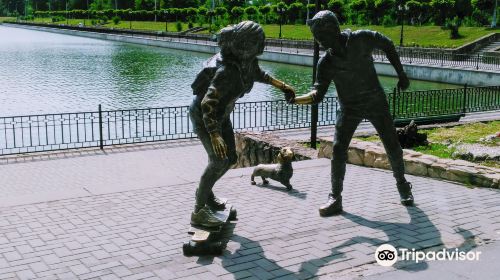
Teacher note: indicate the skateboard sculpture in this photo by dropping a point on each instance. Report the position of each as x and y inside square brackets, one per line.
[281, 172]
[225, 78]
[204, 241]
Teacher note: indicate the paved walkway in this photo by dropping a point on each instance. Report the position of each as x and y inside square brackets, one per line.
[124, 215]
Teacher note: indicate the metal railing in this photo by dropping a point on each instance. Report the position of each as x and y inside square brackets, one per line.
[433, 104]
[444, 59]
[419, 56]
[37, 133]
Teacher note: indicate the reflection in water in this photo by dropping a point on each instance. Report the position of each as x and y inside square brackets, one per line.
[43, 72]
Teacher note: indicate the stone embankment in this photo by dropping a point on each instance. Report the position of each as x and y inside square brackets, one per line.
[260, 147]
[373, 155]
[254, 148]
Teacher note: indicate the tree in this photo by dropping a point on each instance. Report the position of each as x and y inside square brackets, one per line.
[251, 11]
[463, 8]
[265, 10]
[230, 4]
[236, 13]
[190, 13]
[442, 9]
[182, 3]
[338, 7]
[483, 5]
[414, 11]
[357, 11]
[175, 12]
[481, 10]
[382, 7]
[220, 11]
[281, 6]
[295, 11]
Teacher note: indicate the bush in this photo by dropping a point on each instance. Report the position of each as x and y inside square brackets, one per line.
[27, 18]
[361, 19]
[104, 19]
[178, 26]
[388, 21]
[116, 20]
[58, 18]
[190, 25]
[480, 17]
[453, 26]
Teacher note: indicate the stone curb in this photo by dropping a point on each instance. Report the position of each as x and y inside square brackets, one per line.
[373, 155]
[254, 148]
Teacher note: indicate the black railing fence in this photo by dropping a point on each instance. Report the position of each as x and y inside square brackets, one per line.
[37, 133]
[443, 58]
[443, 102]
[409, 55]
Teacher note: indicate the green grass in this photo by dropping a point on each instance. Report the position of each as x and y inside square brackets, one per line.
[423, 36]
[469, 133]
[136, 25]
[440, 138]
[436, 149]
[2, 19]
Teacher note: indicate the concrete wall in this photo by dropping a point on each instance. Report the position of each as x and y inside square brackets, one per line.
[444, 75]
[417, 72]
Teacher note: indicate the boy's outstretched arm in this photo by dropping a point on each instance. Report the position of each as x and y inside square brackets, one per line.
[385, 44]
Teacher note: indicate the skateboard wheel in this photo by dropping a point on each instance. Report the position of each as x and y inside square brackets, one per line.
[232, 214]
[187, 249]
[215, 248]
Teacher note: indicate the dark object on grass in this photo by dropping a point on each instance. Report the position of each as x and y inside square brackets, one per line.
[409, 137]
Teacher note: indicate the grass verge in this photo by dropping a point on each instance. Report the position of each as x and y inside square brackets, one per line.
[441, 138]
[422, 36]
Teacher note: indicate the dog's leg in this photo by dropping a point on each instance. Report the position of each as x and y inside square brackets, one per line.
[252, 180]
[264, 181]
[288, 186]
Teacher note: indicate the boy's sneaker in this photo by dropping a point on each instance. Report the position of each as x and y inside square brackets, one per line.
[206, 218]
[405, 194]
[332, 207]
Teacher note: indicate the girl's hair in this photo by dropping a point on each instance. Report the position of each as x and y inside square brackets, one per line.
[245, 30]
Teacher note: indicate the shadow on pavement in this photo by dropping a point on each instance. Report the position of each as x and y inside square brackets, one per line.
[280, 188]
[418, 220]
[250, 257]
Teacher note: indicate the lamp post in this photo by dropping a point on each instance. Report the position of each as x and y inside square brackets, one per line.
[280, 10]
[155, 10]
[307, 12]
[67, 19]
[402, 9]
[88, 14]
[494, 19]
[212, 16]
[314, 108]
[166, 20]
[130, 19]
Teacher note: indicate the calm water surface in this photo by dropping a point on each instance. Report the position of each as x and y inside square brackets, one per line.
[42, 73]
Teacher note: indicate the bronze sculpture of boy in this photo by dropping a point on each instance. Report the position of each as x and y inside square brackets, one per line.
[348, 62]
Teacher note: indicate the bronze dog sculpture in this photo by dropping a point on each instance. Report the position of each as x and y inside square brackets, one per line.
[281, 171]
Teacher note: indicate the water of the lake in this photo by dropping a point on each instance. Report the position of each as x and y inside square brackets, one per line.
[42, 73]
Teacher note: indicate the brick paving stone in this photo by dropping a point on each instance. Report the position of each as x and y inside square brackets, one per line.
[136, 232]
